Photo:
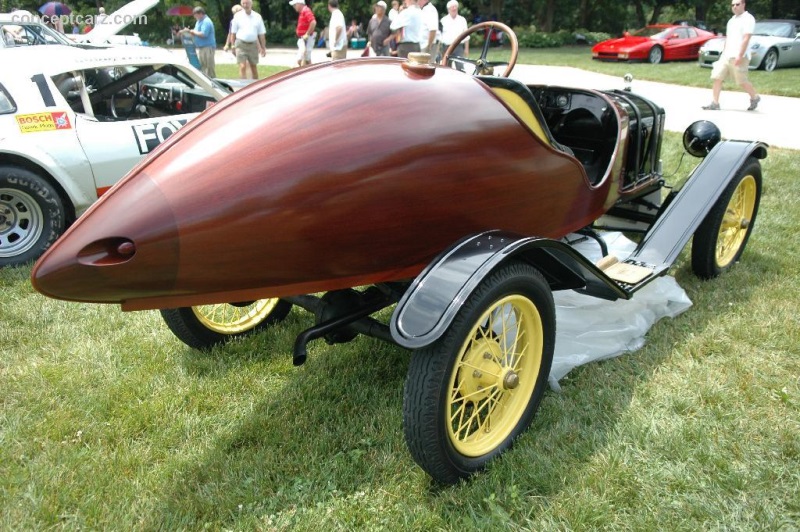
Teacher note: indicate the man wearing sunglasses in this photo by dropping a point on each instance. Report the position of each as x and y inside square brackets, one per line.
[735, 58]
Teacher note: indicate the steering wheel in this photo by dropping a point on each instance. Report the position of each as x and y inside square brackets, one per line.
[133, 90]
[482, 66]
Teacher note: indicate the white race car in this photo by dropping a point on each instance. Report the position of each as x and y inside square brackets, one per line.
[73, 121]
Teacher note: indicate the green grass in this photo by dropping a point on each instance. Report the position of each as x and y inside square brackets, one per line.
[226, 71]
[109, 422]
[781, 82]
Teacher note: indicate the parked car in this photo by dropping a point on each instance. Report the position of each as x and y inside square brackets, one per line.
[73, 121]
[774, 44]
[654, 44]
[456, 215]
[21, 28]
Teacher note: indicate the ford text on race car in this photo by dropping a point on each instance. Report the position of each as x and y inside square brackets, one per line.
[73, 121]
[459, 224]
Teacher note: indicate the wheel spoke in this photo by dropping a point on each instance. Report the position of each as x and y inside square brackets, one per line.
[482, 370]
[467, 397]
[473, 418]
[490, 403]
[485, 51]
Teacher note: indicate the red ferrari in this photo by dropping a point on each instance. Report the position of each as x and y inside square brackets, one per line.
[654, 44]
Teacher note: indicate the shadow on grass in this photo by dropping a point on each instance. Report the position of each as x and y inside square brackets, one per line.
[334, 427]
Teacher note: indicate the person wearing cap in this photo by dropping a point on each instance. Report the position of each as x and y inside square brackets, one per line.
[337, 34]
[430, 21]
[378, 32]
[306, 24]
[204, 41]
[454, 25]
[409, 27]
[248, 36]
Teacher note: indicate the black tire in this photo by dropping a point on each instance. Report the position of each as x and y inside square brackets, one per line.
[205, 326]
[770, 61]
[473, 353]
[656, 55]
[722, 236]
[32, 215]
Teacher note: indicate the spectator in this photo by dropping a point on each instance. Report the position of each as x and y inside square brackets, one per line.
[409, 28]
[101, 16]
[354, 31]
[248, 36]
[378, 32]
[204, 41]
[395, 10]
[229, 45]
[306, 24]
[735, 58]
[454, 25]
[337, 38]
[430, 21]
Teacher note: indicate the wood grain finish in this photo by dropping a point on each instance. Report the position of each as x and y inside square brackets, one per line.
[334, 176]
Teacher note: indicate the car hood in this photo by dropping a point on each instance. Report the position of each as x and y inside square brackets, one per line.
[624, 43]
[715, 45]
[756, 41]
[119, 20]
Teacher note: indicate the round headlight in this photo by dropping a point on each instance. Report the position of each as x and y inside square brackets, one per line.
[701, 137]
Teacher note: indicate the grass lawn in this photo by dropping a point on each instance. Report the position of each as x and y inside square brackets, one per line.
[781, 82]
[225, 71]
[109, 422]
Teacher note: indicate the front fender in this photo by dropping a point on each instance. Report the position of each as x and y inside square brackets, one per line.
[681, 217]
[436, 295]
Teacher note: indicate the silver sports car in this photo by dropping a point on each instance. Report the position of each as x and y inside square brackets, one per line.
[775, 43]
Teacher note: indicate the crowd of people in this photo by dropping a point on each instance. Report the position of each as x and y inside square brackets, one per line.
[410, 26]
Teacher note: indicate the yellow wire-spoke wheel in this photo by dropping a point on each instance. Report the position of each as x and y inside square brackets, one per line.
[492, 381]
[205, 326]
[736, 221]
[471, 392]
[721, 238]
[228, 318]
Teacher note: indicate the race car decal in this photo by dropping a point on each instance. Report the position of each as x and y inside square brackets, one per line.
[148, 136]
[37, 122]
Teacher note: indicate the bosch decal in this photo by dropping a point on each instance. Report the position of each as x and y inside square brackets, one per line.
[148, 136]
[49, 121]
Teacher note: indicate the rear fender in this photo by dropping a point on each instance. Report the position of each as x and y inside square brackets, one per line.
[434, 298]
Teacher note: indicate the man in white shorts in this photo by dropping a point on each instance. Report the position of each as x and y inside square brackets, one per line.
[248, 36]
[735, 58]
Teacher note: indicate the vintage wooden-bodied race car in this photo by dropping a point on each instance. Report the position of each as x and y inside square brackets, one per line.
[352, 186]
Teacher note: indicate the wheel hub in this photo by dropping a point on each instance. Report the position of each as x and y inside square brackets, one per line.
[510, 380]
[482, 372]
[6, 217]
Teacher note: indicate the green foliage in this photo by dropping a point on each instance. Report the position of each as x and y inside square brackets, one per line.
[531, 38]
[283, 35]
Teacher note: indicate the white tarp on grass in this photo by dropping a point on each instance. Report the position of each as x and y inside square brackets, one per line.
[590, 329]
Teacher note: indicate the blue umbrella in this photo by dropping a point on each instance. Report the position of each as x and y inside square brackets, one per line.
[54, 9]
